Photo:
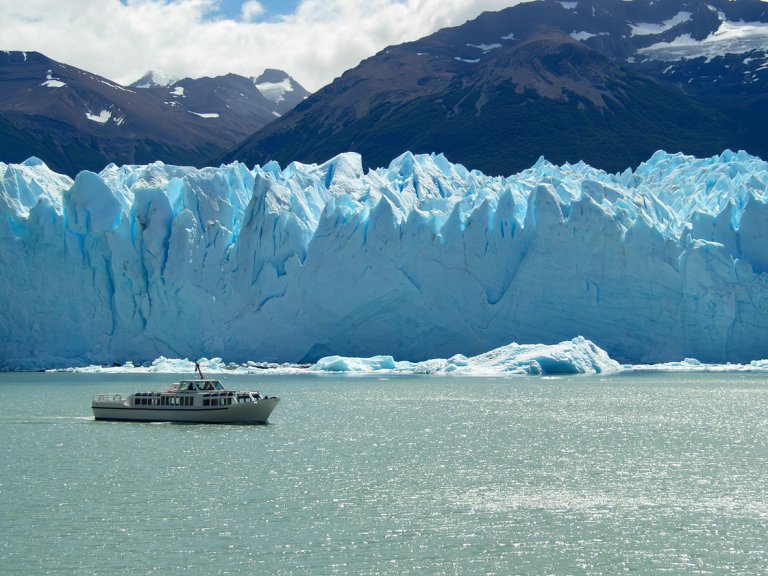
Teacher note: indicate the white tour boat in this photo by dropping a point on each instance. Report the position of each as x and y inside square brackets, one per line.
[200, 401]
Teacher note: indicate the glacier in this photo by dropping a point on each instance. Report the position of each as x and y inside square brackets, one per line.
[422, 259]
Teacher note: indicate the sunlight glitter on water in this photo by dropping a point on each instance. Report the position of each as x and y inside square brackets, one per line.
[650, 473]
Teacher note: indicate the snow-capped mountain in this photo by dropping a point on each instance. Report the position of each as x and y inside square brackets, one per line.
[423, 259]
[605, 81]
[153, 79]
[237, 105]
[76, 120]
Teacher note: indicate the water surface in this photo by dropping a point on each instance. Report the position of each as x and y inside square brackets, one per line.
[644, 474]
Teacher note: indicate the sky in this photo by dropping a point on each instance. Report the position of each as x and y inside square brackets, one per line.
[313, 40]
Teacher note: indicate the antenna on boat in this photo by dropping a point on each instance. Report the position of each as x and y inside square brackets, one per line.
[197, 367]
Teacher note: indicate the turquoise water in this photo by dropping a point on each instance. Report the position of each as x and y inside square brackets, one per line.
[643, 474]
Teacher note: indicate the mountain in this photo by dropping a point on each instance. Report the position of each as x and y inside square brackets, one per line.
[239, 106]
[423, 259]
[154, 79]
[75, 120]
[604, 81]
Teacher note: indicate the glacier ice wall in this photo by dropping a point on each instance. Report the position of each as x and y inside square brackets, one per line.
[420, 260]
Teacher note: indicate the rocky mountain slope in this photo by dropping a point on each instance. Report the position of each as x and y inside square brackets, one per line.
[604, 81]
[76, 120]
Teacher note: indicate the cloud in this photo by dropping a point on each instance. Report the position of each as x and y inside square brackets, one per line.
[251, 10]
[121, 40]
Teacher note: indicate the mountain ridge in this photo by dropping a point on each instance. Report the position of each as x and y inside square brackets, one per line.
[564, 62]
[76, 120]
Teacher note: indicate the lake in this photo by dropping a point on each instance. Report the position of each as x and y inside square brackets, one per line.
[641, 473]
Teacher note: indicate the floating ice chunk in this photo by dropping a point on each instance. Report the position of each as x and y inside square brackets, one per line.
[357, 365]
[577, 356]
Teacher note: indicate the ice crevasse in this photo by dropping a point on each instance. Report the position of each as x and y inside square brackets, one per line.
[422, 259]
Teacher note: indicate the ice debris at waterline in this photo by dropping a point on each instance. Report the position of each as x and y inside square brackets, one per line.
[577, 356]
[423, 259]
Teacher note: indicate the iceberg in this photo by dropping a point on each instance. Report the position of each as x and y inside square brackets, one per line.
[577, 356]
[423, 259]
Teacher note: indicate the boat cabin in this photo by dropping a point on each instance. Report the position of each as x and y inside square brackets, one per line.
[182, 394]
[195, 385]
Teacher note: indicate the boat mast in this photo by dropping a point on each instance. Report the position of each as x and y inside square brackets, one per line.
[197, 367]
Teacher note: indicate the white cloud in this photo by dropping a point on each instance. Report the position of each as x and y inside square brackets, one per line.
[322, 39]
[251, 10]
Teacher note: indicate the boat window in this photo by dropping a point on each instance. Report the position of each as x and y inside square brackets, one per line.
[218, 385]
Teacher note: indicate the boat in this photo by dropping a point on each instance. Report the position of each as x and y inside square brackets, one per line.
[193, 401]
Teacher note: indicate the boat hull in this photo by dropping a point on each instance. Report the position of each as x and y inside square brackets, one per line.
[247, 413]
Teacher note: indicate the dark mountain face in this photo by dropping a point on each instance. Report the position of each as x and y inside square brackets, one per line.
[236, 105]
[74, 120]
[605, 81]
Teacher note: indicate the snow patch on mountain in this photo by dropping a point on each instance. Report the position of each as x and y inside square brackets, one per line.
[729, 38]
[50, 81]
[100, 118]
[485, 47]
[647, 29]
[205, 114]
[581, 36]
[275, 91]
[154, 79]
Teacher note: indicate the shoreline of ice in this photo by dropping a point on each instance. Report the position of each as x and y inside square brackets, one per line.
[577, 356]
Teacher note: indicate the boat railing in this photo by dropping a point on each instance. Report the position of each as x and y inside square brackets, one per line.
[108, 398]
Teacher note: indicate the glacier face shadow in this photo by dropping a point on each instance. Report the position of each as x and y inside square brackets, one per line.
[419, 260]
